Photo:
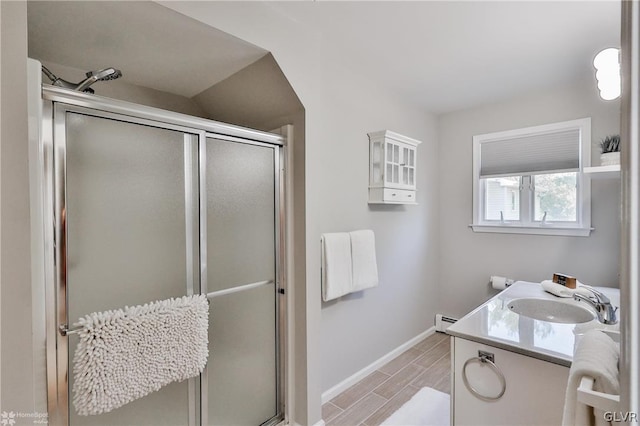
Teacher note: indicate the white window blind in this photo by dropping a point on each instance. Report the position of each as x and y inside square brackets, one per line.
[535, 153]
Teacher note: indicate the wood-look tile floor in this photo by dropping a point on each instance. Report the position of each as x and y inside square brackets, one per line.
[373, 399]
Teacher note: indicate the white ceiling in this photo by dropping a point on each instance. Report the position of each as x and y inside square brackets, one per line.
[443, 56]
[153, 46]
[448, 56]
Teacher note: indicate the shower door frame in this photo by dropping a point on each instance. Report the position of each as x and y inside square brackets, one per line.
[56, 102]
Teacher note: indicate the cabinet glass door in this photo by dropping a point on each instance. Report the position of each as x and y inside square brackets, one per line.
[408, 166]
[411, 164]
[392, 160]
[400, 165]
[405, 166]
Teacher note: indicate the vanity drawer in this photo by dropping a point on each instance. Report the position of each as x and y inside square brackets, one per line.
[398, 195]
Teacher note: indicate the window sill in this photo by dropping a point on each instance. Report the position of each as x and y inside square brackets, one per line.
[533, 230]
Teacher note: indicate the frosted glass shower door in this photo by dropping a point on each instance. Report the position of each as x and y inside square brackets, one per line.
[127, 188]
[241, 263]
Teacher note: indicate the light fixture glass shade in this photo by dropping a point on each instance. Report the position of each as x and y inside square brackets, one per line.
[607, 67]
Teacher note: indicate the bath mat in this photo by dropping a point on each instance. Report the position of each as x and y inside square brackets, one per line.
[428, 407]
[128, 353]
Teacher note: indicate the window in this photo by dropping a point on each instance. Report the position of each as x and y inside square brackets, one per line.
[530, 180]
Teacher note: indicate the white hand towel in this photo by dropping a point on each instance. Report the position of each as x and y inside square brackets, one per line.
[126, 354]
[596, 356]
[336, 265]
[562, 291]
[557, 289]
[363, 255]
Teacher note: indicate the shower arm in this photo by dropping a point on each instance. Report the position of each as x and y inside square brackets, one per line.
[49, 74]
[83, 86]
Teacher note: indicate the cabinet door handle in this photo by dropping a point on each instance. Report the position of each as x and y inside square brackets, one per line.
[484, 358]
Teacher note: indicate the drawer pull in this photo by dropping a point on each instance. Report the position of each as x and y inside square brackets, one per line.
[484, 358]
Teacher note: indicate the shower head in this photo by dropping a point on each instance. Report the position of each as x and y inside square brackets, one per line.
[83, 86]
[102, 75]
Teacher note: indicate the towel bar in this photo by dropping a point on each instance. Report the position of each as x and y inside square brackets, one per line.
[238, 288]
[595, 399]
[66, 331]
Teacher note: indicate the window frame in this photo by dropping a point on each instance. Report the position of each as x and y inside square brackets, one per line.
[527, 223]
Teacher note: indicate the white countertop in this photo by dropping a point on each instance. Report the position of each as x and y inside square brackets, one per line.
[492, 323]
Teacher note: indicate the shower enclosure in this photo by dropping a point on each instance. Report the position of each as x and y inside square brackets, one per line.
[143, 204]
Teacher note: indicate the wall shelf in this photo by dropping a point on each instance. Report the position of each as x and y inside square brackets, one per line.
[603, 172]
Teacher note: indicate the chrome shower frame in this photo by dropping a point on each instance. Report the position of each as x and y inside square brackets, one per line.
[56, 103]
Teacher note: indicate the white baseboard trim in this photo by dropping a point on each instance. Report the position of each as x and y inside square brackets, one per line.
[355, 378]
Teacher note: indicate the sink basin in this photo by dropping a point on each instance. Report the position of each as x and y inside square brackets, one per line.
[551, 310]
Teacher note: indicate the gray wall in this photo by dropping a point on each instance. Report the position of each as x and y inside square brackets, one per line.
[345, 336]
[467, 259]
[358, 329]
[257, 96]
[17, 369]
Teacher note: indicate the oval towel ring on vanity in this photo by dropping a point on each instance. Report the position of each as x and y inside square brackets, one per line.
[484, 358]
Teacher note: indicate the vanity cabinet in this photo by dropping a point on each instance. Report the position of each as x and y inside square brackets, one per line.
[392, 168]
[534, 389]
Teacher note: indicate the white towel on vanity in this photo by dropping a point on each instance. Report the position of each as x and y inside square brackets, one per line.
[557, 289]
[336, 265]
[596, 356]
[126, 354]
[562, 291]
[363, 255]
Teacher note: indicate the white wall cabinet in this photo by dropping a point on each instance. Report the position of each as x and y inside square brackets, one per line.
[392, 168]
[534, 392]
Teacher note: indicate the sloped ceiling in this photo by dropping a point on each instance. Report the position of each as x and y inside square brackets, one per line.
[451, 55]
[443, 56]
[154, 47]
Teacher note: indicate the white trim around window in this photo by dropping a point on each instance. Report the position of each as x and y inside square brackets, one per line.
[526, 224]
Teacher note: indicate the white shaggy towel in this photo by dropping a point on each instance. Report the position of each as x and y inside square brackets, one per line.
[363, 257]
[128, 353]
[596, 356]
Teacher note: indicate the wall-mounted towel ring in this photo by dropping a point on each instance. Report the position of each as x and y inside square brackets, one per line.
[487, 359]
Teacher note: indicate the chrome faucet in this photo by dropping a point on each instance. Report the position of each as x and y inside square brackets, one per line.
[604, 309]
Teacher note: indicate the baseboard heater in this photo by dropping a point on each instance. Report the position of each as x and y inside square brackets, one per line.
[443, 322]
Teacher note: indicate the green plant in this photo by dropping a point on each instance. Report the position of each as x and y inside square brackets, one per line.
[610, 144]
